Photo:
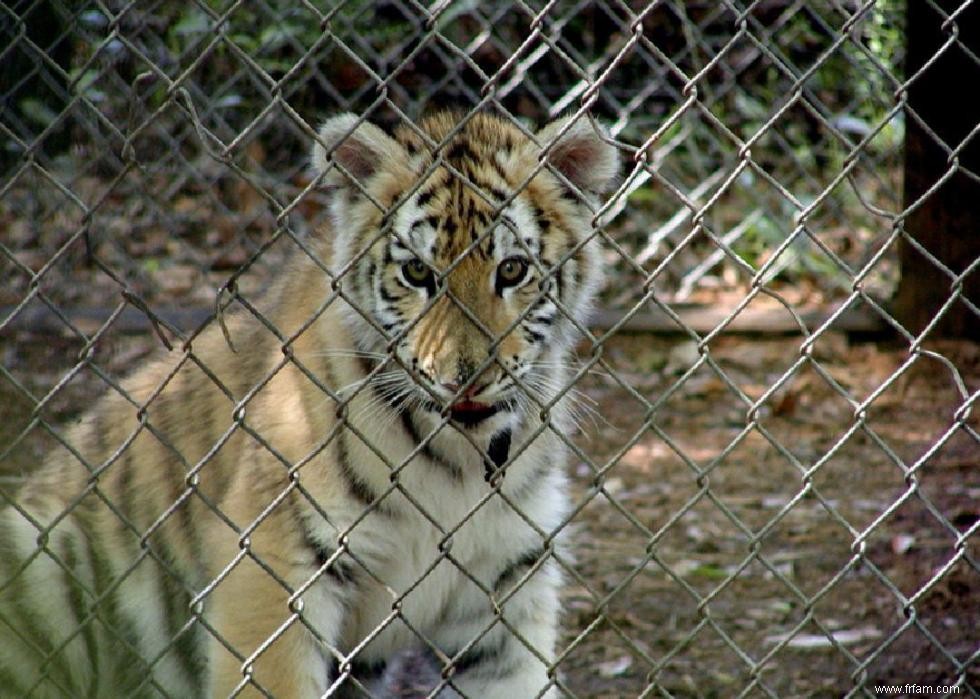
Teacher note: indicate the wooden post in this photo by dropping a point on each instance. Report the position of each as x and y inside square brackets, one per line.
[947, 223]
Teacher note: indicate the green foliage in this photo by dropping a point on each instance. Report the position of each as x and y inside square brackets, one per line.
[236, 58]
[37, 112]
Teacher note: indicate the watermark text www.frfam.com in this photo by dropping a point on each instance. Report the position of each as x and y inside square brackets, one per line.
[916, 689]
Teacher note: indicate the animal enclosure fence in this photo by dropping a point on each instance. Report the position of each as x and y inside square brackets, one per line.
[776, 516]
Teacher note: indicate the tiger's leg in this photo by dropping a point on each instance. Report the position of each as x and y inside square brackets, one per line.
[277, 610]
[514, 659]
[269, 639]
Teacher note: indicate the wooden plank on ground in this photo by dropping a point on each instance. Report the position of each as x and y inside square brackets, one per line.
[40, 319]
[704, 319]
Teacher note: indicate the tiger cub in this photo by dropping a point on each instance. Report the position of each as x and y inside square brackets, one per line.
[364, 463]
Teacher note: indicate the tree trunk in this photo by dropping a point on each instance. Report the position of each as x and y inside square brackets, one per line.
[947, 222]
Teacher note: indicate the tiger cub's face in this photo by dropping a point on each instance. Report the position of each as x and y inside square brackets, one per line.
[466, 256]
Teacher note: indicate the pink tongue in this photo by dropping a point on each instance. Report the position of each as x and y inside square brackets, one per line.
[465, 405]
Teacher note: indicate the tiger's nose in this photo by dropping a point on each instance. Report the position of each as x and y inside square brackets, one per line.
[454, 389]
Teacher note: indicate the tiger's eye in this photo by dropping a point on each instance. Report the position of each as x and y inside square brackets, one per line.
[511, 271]
[417, 273]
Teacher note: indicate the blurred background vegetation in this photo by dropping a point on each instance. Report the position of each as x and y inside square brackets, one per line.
[162, 98]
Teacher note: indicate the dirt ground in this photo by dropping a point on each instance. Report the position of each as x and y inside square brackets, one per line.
[817, 542]
[785, 548]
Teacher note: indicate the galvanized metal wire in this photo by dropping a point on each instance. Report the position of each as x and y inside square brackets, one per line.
[154, 156]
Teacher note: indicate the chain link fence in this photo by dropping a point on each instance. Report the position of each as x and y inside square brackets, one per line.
[788, 513]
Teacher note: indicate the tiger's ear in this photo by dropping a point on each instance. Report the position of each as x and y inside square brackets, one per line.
[580, 153]
[358, 146]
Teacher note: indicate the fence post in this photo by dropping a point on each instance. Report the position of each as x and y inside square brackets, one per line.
[947, 223]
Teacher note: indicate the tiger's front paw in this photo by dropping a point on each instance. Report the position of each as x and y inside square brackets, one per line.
[412, 674]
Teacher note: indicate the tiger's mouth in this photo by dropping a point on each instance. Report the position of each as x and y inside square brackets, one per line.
[470, 413]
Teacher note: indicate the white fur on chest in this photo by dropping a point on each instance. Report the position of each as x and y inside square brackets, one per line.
[426, 565]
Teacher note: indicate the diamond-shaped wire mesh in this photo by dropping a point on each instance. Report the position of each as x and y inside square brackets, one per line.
[792, 512]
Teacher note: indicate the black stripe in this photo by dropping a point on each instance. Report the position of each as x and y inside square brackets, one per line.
[497, 453]
[362, 672]
[410, 428]
[185, 518]
[532, 336]
[397, 243]
[97, 432]
[95, 656]
[176, 605]
[525, 561]
[498, 168]
[388, 296]
[170, 421]
[529, 486]
[408, 424]
[340, 571]
[18, 612]
[423, 199]
[427, 451]
[403, 285]
[126, 466]
[184, 644]
[356, 486]
[77, 603]
[498, 193]
[25, 617]
[358, 489]
[364, 281]
[460, 150]
[124, 653]
[364, 364]
[476, 659]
